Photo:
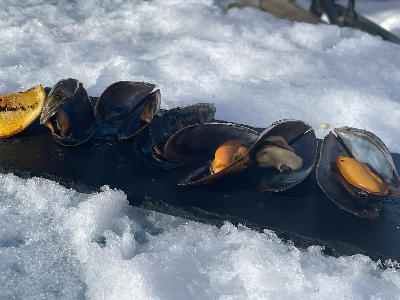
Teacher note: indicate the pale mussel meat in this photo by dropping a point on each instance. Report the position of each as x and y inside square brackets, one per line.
[68, 113]
[356, 171]
[149, 144]
[285, 154]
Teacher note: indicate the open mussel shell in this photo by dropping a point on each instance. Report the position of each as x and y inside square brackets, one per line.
[198, 143]
[119, 98]
[140, 115]
[301, 138]
[165, 124]
[68, 113]
[144, 148]
[369, 150]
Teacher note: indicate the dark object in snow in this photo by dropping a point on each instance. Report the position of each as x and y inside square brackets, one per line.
[337, 14]
[302, 214]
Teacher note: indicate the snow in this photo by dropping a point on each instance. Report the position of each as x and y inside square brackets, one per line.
[58, 244]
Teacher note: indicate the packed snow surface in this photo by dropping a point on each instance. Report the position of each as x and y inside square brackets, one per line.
[58, 244]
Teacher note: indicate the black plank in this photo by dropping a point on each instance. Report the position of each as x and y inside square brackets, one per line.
[302, 214]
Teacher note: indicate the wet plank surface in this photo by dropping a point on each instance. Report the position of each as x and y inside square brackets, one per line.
[302, 214]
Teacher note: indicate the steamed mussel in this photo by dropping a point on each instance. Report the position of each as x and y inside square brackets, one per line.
[356, 171]
[68, 113]
[150, 143]
[290, 148]
[198, 144]
[130, 105]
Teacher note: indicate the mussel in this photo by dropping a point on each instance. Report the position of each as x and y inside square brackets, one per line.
[356, 171]
[198, 144]
[131, 105]
[19, 110]
[149, 144]
[68, 113]
[286, 152]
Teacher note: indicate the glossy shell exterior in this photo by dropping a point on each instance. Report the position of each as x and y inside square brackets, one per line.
[166, 123]
[144, 109]
[144, 146]
[70, 96]
[163, 125]
[119, 98]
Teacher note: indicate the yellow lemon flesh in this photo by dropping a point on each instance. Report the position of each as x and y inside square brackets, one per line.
[359, 175]
[227, 153]
[19, 110]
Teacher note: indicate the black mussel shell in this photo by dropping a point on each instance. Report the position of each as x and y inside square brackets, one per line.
[330, 149]
[369, 149]
[301, 137]
[166, 123]
[140, 115]
[144, 149]
[198, 143]
[62, 91]
[119, 98]
[69, 98]
[203, 174]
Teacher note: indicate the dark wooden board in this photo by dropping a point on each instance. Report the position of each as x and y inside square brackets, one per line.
[289, 11]
[302, 214]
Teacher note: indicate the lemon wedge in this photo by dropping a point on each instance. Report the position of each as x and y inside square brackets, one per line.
[19, 110]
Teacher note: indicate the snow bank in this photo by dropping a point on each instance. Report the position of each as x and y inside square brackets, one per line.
[58, 244]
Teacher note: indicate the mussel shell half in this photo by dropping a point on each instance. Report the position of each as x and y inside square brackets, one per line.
[302, 139]
[369, 149]
[143, 148]
[165, 124]
[119, 98]
[61, 92]
[132, 124]
[198, 143]
[331, 149]
[70, 96]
